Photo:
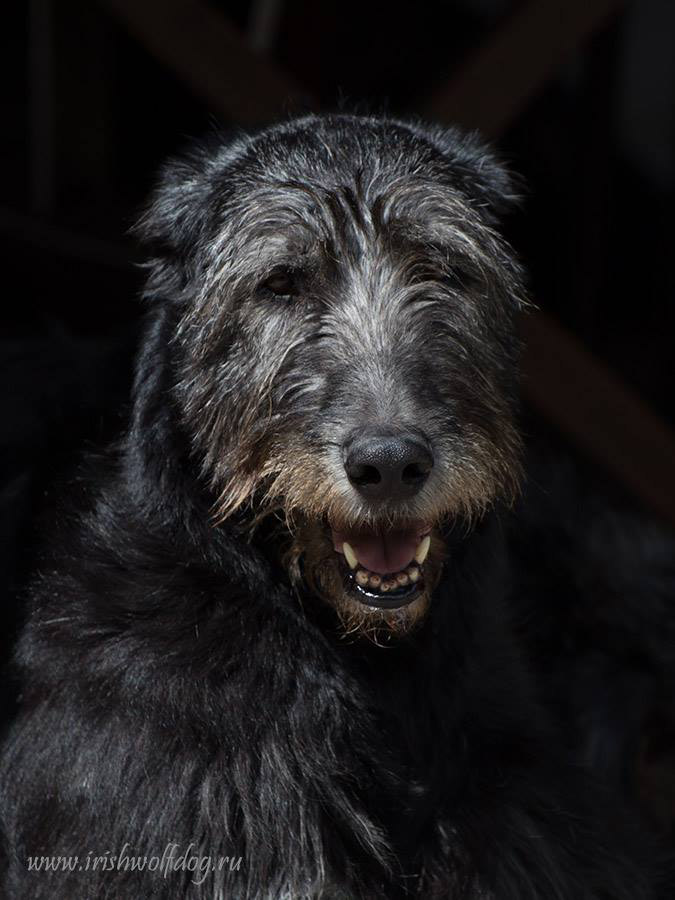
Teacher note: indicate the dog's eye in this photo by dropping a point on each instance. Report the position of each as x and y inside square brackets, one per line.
[281, 284]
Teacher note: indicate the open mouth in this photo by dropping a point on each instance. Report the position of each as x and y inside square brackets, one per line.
[384, 569]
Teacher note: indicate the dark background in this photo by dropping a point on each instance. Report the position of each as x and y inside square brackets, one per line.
[96, 95]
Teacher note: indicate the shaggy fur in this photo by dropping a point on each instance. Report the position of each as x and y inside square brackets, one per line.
[194, 670]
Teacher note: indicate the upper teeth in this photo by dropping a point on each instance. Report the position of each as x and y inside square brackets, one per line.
[422, 550]
[350, 556]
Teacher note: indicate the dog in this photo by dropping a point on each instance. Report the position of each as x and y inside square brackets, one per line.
[269, 654]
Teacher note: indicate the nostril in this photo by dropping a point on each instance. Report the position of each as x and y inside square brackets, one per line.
[362, 475]
[414, 473]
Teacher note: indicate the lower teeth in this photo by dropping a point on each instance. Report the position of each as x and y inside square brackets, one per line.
[400, 579]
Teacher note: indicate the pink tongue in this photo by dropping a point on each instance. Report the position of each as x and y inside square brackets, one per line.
[382, 553]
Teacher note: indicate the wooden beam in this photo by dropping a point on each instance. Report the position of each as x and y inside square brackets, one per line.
[603, 416]
[41, 113]
[197, 42]
[499, 79]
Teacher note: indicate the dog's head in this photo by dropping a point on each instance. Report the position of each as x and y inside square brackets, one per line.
[344, 350]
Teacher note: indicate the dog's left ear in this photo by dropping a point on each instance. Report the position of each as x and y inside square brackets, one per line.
[479, 171]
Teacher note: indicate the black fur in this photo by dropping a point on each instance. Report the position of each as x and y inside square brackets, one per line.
[178, 687]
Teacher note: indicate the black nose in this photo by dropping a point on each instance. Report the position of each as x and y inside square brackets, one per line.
[386, 465]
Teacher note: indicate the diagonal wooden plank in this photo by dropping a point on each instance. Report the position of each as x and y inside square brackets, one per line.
[603, 416]
[210, 55]
[499, 79]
